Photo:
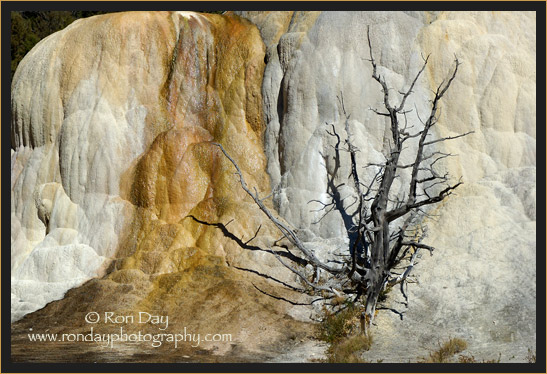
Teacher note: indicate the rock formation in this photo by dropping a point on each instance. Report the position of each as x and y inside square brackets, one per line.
[112, 123]
[480, 284]
[111, 158]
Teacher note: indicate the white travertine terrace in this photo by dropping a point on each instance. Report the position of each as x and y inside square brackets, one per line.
[481, 281]
[81, 118]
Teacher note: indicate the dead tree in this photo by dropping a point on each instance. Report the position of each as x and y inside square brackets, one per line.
[384, 230]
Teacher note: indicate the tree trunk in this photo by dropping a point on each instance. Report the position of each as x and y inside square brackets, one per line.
[371, 297]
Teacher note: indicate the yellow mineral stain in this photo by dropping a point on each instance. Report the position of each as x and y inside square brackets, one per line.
[199, 79]
[212, 93]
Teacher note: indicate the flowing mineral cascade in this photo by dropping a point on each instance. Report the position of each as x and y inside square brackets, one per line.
[114, 177]
[112, 123]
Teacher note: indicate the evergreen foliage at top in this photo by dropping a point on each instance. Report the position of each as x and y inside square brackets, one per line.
[29, 27]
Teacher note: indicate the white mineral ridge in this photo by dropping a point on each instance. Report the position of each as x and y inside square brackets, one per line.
[70, 148]
[481, 282]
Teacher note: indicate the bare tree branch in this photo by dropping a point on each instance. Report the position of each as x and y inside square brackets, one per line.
[448, 138]
[270, 278]
[378, 255]
[282, 298]
[315, 286]
[254, 236]
[402, 105]
[234, 237]
[285, 230]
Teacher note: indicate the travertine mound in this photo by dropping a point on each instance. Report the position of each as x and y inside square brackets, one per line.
[113, 120]
[481, 283]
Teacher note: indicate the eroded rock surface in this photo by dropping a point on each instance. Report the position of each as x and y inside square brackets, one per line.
[481, 283]
[112, 157]
[113, 120]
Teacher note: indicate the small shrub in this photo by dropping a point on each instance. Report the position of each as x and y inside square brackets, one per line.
[347, 349]
[342, 331]
[336, 326]
[446, 351]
